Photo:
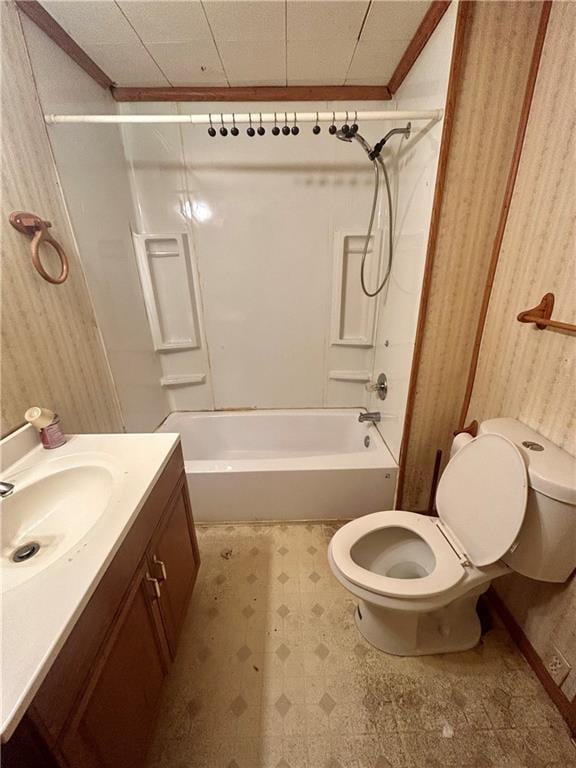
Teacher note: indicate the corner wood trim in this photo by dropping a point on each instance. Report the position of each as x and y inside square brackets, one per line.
[257, 93]
[463, 19]
[506, 201]
[566, 707]
[422, 35]
[55, 32]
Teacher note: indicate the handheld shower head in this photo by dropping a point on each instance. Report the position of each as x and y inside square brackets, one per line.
[340, 134]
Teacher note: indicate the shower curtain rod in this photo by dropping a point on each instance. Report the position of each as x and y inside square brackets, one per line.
[251, 117]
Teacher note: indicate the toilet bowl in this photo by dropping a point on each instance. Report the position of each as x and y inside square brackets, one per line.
[418, 578]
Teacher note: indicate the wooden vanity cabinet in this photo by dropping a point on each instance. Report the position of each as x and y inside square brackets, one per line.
[170, 553]
[98, 704]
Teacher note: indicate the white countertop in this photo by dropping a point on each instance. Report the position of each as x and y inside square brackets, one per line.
[39, 614]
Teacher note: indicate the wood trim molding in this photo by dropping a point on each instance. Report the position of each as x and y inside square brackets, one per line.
[256, 93]
[566, 707]
[40, 16]
[465, 11]
[428, 24]
[508, 192]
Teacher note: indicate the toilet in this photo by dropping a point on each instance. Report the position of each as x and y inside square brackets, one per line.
[506, 502]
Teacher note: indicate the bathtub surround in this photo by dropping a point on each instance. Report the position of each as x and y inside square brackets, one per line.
[282, 678]
[284, 465]
[261, 217]
[523, 372]
[52, 351]
[90, 163]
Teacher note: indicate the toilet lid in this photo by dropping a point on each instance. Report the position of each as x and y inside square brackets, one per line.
[482, 497]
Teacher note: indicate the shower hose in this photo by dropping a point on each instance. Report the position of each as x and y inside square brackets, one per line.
[378, 163]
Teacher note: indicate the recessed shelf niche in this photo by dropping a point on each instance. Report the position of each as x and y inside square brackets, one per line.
[169, 291]
[353, 313]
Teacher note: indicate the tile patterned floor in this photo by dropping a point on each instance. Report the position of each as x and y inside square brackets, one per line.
[272, 673]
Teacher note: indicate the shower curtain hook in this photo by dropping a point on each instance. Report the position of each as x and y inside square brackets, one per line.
[316, 129]
[250, 131]
[286, 128]
[234, 130]
[354, 126]
[346, 127]
[211, 130]
[332, 130]
[295, 129]
[223, 129]
[275, 130]
[261, 129]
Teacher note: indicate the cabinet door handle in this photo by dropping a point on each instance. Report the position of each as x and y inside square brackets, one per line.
[162, 567]
[155, 583]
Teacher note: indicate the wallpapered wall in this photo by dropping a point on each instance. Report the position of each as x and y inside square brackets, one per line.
[523, 372]
[497, 56]
[52, 353]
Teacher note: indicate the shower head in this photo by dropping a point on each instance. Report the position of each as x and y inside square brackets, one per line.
[343, 136]
[340, 134]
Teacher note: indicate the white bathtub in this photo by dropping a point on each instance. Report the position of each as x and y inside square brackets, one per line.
[283, 465]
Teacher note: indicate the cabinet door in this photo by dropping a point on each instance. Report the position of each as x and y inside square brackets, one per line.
[174, 561]
[114, 720]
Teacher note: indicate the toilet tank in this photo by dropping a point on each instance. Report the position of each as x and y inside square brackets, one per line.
[546, 546]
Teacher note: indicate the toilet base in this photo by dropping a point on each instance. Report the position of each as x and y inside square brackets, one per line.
[455, 627]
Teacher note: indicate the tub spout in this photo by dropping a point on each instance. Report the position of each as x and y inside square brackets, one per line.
[374, 417]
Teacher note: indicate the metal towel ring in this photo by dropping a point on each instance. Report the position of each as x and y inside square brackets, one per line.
[36, 228]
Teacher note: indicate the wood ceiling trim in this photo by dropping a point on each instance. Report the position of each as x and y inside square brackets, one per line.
[428, 24]
[55, 32]
[257, 93]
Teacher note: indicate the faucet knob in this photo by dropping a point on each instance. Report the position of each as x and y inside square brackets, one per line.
[380, 386]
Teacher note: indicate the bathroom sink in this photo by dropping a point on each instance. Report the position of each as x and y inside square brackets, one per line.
[51, 512]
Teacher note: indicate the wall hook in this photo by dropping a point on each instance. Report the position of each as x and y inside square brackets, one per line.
[36, 228]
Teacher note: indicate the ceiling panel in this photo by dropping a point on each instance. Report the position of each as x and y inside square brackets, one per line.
[242, 42]
[246, 21]
[393, 20]
[375, 61]
[92, 21]
[326, 64]
[195, 63]
[249, 64]
[316, 20]
[165, 21]
[127, 63]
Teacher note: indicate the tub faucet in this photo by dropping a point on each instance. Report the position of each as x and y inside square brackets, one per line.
[5, 489]
[374, 417]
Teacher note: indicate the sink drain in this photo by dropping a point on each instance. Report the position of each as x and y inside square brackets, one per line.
[25, 552]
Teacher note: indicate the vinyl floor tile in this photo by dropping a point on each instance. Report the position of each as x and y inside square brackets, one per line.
[272, 673]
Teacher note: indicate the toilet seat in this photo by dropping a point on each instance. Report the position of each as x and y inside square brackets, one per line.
[448, 571]
[479, 522]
